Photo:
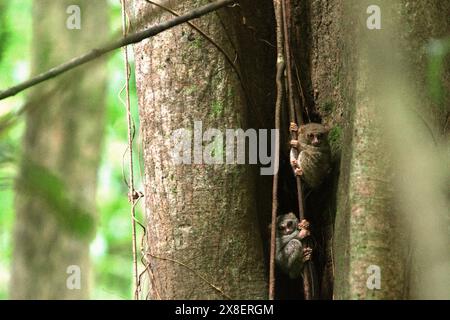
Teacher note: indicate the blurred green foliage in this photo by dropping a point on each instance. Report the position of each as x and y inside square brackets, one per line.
[4, 32]
[111, 247]
[40, 181]
[437, 50]
[14, 55]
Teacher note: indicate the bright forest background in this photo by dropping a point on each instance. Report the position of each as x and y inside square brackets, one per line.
[111, 249]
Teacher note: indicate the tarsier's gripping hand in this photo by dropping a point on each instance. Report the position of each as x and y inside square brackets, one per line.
[294, 162]
[307, 253]
[303, 226]
[293, 128]
[298, 171]
[297, 164]
[294, 145]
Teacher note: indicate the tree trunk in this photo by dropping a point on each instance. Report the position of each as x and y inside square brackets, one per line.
[203, 232]
[391, 215]
[56, 185]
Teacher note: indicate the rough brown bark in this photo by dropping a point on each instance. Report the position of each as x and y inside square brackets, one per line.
[56, 185]
[202, 215]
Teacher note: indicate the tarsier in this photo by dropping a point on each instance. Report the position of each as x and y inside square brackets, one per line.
[314, 156]
[291, 254]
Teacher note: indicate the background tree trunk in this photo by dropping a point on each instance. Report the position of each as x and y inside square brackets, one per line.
[391, 213]
[56, 186]
[205, 216]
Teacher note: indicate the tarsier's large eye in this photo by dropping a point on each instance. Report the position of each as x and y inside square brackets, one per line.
[310, 135]
[289, 224]
[319, 135]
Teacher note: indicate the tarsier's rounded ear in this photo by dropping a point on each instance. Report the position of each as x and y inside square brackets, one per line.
[301, 129]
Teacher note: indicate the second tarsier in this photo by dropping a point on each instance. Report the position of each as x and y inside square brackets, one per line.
[291, 253]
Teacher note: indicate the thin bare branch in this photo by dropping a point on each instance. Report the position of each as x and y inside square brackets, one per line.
[278, 104]
[130, 39]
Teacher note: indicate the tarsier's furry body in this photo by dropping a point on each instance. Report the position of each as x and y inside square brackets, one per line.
[291, 254]
[314, 155]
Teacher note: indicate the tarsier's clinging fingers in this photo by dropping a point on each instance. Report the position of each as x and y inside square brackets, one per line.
[293, 127]
[298, 172]
[307, 253]
[303, 227]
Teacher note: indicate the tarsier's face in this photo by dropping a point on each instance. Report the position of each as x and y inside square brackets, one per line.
[287, 224]
[313, 134]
